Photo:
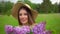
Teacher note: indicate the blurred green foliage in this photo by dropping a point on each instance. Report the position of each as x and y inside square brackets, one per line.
[45, 7]
[5, 7]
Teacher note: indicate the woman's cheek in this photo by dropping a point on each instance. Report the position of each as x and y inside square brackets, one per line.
[26, 18]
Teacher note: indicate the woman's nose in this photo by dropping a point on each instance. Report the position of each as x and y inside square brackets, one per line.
[23, 16]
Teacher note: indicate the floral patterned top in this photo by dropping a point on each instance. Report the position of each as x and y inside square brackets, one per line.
[37, 29]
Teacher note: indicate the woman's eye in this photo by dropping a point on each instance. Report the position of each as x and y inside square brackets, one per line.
[25, 14]
[20, 14]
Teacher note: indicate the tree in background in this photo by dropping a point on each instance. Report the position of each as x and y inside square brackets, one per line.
[59, 7]
[5, 7]
[46, 6]
[55, 8]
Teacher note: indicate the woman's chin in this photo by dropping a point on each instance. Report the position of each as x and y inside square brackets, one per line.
[24, 22]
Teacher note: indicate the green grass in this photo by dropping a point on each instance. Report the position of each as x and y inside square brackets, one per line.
[52, 22]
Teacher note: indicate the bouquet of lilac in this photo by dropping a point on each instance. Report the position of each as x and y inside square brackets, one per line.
[40, 29]
[37, 29]
[17, 30]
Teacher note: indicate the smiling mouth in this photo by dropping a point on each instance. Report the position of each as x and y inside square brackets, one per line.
[23, 20]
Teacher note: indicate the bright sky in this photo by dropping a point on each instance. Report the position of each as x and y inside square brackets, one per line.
[40, 1]
[36, 1]
[53, 1]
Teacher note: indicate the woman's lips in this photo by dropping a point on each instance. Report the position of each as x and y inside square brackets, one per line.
[22, 20]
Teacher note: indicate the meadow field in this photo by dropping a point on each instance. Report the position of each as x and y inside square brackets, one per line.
[52, 22]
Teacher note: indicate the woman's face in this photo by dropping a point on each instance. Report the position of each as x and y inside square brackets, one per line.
[23, 16]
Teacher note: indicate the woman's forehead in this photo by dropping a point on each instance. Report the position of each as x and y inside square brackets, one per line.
[22, 11]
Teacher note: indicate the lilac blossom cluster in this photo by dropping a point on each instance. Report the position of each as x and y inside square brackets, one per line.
[37, 29]
[40, 29]
[17, 30]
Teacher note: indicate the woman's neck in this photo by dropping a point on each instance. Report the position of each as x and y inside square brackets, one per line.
[31, 26]
[25, 24]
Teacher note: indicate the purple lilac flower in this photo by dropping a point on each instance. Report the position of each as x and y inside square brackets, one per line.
[34, 29]
[8, 28]
[26, 29]
[22, 30]
[17, 30]
[39, 28]
[47, 32]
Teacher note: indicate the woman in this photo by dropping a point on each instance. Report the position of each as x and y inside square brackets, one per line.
[26, 18]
